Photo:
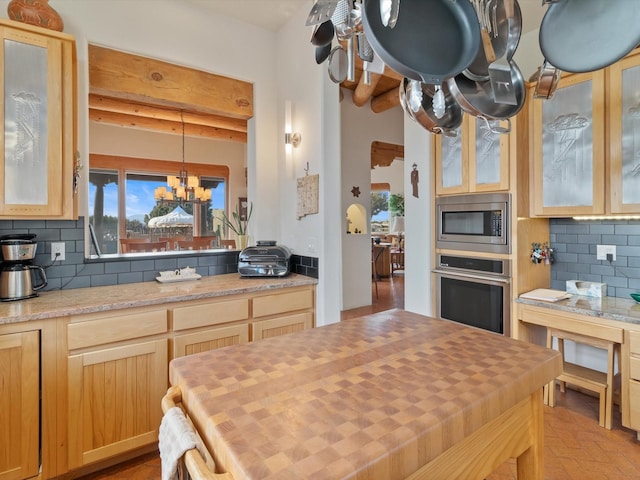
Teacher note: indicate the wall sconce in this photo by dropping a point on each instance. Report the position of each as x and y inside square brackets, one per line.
[291, 138]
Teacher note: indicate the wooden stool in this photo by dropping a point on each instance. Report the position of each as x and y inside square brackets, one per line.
[583, 377]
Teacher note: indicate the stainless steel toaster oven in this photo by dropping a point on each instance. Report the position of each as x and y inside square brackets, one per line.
[265, 259]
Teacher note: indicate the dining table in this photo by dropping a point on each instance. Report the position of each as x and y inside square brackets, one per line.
[391, 395]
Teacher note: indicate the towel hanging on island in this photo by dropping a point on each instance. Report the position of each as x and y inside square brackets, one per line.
[175, 438]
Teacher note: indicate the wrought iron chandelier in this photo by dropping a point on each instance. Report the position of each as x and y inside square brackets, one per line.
[184, 188]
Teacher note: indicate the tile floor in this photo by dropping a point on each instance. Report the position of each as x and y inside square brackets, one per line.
[576, 448]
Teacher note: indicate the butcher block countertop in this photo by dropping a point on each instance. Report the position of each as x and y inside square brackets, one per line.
[99, 299]
[381, 396]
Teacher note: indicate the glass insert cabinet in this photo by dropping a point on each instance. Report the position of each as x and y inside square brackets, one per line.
[475, 160]
[38, 116]
[586, 143]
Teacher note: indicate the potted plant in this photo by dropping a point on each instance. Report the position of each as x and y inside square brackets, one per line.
[238, 224]
[396, 205]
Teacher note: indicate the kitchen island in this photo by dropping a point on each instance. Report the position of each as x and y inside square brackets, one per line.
[391, 395]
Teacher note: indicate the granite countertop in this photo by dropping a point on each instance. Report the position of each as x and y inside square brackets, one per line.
[60, 303]
[611, 308]
[373, 397]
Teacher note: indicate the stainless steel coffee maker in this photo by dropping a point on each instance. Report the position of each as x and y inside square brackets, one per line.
[16, 271]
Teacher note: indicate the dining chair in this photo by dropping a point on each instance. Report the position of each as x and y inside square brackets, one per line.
[126, 243]
[230, 244]
[196, 243]
[147, 247]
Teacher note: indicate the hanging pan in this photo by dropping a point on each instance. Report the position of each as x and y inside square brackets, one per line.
[477, 98]
[432, 39]
[338, 65]
[586, 35]
[504, 36]
[446, 122]
[547, 78]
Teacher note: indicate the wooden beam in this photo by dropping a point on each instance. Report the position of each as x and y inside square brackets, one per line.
[385, 101]
[166, 126]
[382, 153]
[122, 75]
[363, 92]
[115, 105]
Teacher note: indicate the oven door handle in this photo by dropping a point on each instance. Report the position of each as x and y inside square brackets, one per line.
[483, 278]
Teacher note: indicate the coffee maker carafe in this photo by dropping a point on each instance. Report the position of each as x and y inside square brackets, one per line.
[16, 270]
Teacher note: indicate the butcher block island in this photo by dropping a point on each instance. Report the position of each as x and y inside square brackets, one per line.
[386, 396]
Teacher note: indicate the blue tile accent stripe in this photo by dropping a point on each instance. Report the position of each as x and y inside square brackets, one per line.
[76, 272]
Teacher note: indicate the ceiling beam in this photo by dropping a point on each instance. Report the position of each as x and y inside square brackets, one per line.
[385, 101]
[363, 92]
[166, 126]
[117, 74]
[115, 105]
[383, 153]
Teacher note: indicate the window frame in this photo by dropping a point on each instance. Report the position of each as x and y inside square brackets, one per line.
[123, 165]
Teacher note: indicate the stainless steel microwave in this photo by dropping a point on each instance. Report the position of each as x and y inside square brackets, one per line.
[476, 222]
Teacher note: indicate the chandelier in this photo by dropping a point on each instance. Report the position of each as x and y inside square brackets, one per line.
[184, 188]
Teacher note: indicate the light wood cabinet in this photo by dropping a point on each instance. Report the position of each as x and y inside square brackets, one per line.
[476, 160]
[568, 148]
[39, 121]
[114, 390]
[623, 85]
[19, 405]
[631, 362]
[585, 143]
[204, 325]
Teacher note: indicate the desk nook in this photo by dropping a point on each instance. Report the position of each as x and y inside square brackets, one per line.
[609, 324]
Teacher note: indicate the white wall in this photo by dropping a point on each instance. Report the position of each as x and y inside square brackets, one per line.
[360, 127]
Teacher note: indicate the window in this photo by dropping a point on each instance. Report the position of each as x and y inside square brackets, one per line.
[122, 203]
[380, 207]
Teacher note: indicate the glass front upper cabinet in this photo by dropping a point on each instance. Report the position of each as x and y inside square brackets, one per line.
[38, 119]
[568, 148]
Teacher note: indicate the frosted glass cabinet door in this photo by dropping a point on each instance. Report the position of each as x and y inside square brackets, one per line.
[37, 113]
[624, 134]
[451, 155]
[569, 148]
[488, 158]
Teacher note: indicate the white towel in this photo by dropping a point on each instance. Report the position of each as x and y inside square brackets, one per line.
[175, 438]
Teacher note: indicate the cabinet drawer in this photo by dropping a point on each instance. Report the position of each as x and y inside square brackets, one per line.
[634, 342]
[281, 325]
[282, 302]
[634, 367]
[203, 341]
[99, 329]
[212, 313]
[634, 404]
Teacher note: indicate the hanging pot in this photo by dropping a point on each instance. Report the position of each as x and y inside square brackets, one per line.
[546, 81]
[431, 41]
[448, 123]
[476, 98]
[505, 37]
[586, 35]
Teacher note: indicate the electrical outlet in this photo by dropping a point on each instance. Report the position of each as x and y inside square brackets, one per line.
[57, 251]
[603, 250]
[311, 244]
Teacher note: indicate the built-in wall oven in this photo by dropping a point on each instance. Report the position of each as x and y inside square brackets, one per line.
[474, 291]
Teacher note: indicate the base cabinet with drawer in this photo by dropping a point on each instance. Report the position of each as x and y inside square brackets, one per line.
[19, 405]
[117, 372]
[631, 360]
[83, 392]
